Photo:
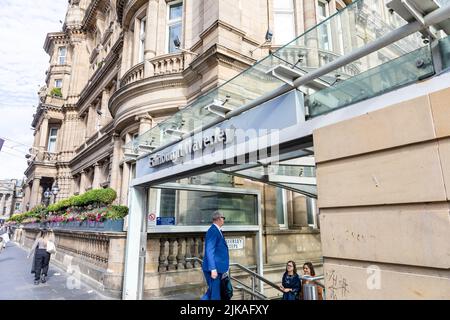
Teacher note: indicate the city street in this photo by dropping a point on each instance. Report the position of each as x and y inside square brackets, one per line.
[16, 280]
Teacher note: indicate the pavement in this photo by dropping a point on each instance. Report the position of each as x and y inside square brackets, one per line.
[17, 281]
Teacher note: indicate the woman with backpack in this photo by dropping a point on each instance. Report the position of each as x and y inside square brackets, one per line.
[42, 248]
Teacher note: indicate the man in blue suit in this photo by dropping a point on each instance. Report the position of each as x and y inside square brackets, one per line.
[216, 260]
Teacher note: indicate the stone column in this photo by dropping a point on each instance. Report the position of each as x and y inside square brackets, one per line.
[150, 36]
[97, 176]
[83, 181]
[35, 192]
[145, 123]
[312, 36]
[43, 133]
[106, 116]
[40, 195]
[2, 203]
[300, 212]
[8, 204]
[115, 183]
[36, 142]
[125, 52]
[125, 177]
[125, 184]
[300, 22]
[90, 123]
[26, 198]
[74, 188]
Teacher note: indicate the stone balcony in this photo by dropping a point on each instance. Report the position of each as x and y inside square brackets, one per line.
[54, 101]
[45, 157]
[167, 64]
[158, 66]
[136, 73]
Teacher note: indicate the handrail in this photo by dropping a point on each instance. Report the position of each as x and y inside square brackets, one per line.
[243, 286]
[270, 283]
[248, 290]
[253, 291]
[309, 278]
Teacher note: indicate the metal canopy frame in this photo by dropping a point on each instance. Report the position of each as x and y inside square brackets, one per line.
[305, 185]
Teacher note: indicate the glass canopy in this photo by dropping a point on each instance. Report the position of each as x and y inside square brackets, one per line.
[295, 171]
[361, 22]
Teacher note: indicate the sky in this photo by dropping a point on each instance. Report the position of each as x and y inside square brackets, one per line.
[24, 25]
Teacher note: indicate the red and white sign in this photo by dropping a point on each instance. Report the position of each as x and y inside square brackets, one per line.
[152, 219]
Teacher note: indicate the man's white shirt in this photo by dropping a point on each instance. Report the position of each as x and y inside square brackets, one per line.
[220, 229]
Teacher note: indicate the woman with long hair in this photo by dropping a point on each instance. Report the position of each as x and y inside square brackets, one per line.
[290, 284]
[41, 259]
[308, 270]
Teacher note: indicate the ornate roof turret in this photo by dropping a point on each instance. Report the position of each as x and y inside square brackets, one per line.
[74, 16]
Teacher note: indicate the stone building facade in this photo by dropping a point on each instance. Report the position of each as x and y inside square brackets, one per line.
[114, 73]
[11, 197]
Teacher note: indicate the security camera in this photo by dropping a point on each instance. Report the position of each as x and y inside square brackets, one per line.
[269, 35]
[176, 42]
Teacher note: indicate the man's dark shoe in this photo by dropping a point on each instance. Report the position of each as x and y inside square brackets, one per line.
[43, 278]
[36, 281]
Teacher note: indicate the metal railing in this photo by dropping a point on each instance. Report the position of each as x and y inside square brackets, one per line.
[252, 290]
[255, 294]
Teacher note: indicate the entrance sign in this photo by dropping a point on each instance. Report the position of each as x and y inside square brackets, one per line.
[229, 142]
[235, 243]
[187, 147]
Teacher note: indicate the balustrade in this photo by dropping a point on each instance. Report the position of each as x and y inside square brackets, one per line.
[167, 64]
[134, 74]
[50, 156]
[174, 249]
[161, 65]
[93, 249]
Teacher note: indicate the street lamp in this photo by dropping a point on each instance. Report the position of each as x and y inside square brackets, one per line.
[55, 190]
[47, 195]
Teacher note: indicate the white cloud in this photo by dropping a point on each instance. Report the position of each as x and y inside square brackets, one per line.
[24, 25]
